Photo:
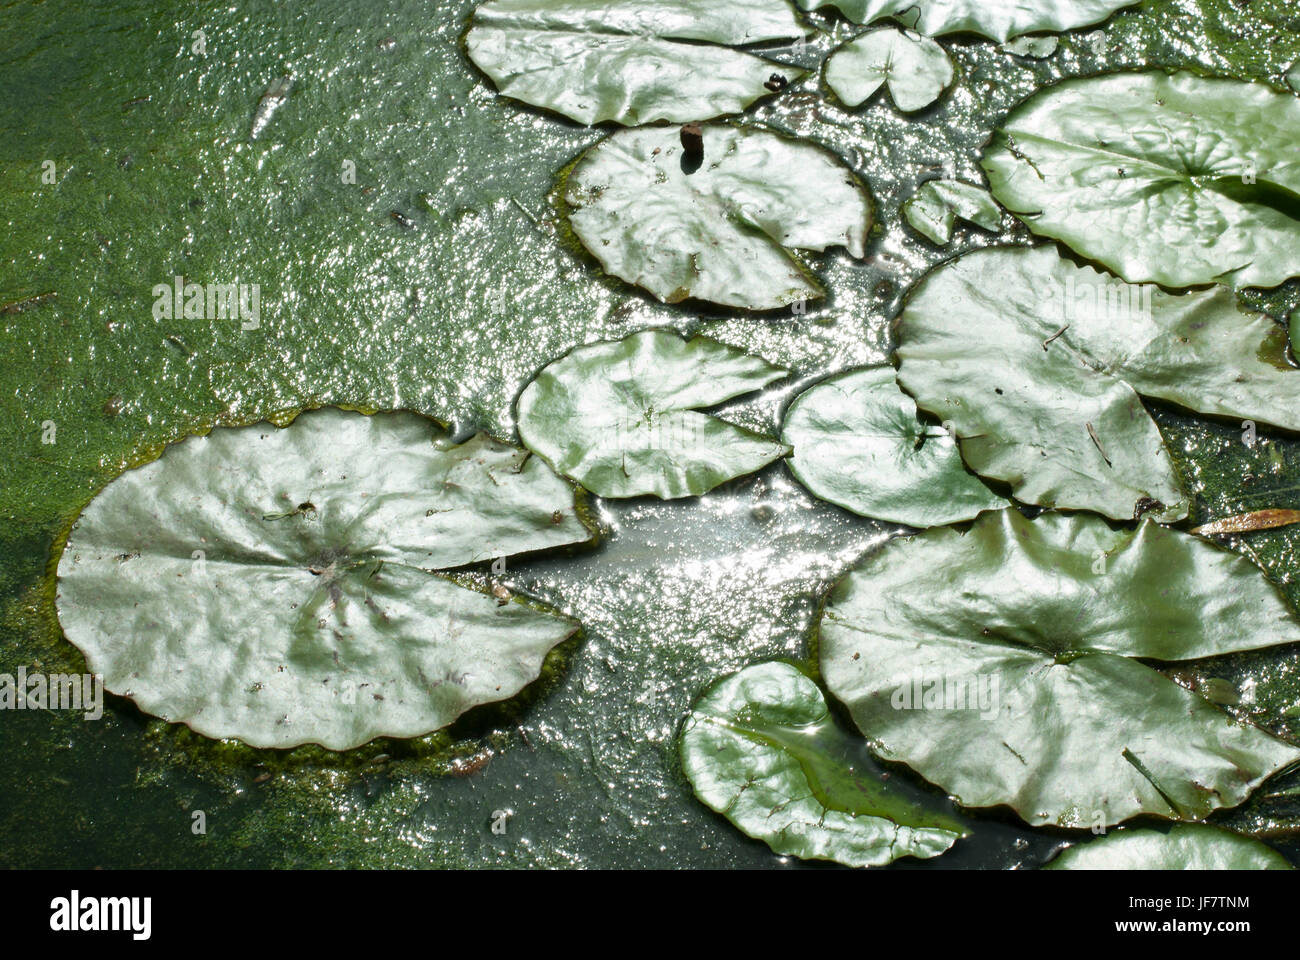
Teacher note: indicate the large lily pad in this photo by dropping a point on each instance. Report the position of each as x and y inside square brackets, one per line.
[277, 585]
[859, 442]
[621, 417]
[990, 18]
[1185, 846]
[1178, 180]
[1041, 365]
[720, 232]
[633, 61]
[761, 749]
[1003, 665]
[916, 69]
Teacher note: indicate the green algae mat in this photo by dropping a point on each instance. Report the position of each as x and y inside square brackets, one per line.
[221, 217]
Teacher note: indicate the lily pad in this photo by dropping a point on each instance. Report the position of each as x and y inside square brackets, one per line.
[1185, 846]
[860, 443]
[996, 20]
[279, 585]
[1041, 366]
[633, 61]
[1159, 177]
[1033, 48]
[939, 203]
[722, 232]
[761, 749]
[621, 417]
[916, 69]
[1005, 665]
[1293, 76]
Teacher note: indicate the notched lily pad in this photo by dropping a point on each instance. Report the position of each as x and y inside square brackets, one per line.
[938, 204]
[1041, 366]
[1185, 846]
[621, 417]
[916, 69]
[860, 443]
[279, 585]
[720, 229]
[761, 749]
[633, 61]
[1178, 180]
[996, 20]
[1006, 665]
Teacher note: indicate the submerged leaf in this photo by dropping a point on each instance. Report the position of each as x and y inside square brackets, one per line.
[938, 204]
[1179, 180]
[1186, 846]
[620, 416]
[1293, 76]
[721, 230]
[1041, 366]
[859, 443]
[1249, 522]
[916, 69]
[761, 749]
[277, 585]
[633, 61]
[996, 20]
[1003, 665]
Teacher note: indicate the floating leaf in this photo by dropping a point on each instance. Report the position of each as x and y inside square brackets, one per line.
[1293, 76]
[761, 749]
[859, 443]
[1178, 180]
[1035, 48]
[1002, 664]
[721, 232]
[1249, 522]
[1041, 366]
[938, 204]
[916, 69]
[633, 61]
[276, 584]
[1186, 846]
[997, 20]
[620, 417]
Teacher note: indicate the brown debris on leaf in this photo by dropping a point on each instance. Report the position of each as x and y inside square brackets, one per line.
[1249, 522]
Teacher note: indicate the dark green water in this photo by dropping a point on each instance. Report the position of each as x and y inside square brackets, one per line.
[155, 177]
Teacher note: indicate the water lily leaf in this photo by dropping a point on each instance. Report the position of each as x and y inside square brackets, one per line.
[761, 749]
[621, 416]
[860, 443]
[916, 69]
[1186, 846]
[1041, 365]
[633, 61]
[722, 232]
[938, 204]
[1001, 664]
[1158, 177]
[1293, 76]
[278, 585]
[1034, 48]
[998, 21]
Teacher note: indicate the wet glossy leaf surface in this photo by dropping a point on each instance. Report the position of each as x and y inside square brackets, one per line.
[1158, 177]
[278, 585]
[940, 203]
[1185, 846]
[761, 748]
[1003, 665]
[1041, 365]
[997, 20]
[859, 443]
[915, 69]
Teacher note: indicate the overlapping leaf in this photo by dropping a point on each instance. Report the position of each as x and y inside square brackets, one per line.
[720, 230]
[633, 61]
[1185, 846]
[997, 20]
[1041, 365]
[859, 443]
[621, 417]
[1178, 180]
[939, 203]
[1003, 664]
[916, 69]
[277, 585]
[761, 749]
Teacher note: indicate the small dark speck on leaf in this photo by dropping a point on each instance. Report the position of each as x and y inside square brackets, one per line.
[402, 220]
[776, 83]
[113, 405]
[693, 148]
